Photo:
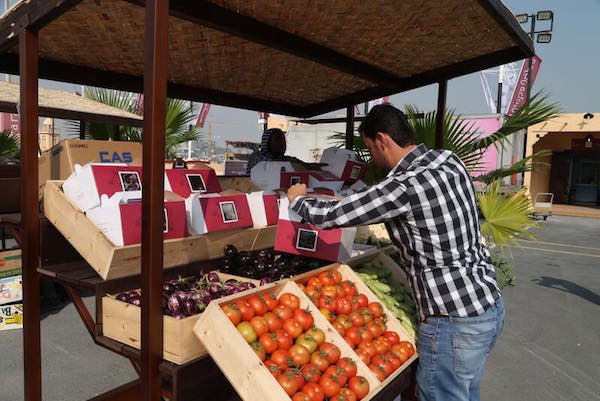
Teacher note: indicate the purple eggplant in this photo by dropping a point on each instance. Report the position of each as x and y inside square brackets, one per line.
[174, 304]
[265, 281]
[232, 281]
[214, 288]
[136, 301]
[189, 307]
[213, 277]
[206, 300]
[123, 297]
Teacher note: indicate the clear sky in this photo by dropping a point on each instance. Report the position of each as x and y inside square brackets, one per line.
[569, 72]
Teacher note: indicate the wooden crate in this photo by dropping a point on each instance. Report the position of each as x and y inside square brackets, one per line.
[121, 321]
[393, 324]
[248, 375]
[382, 260]
[113, 262]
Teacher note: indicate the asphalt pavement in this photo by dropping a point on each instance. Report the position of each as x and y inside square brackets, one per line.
[548, 351]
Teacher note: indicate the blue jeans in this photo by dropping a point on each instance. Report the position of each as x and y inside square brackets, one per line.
[452, 354]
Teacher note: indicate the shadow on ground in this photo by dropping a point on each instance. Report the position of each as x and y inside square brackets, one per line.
[568, 286]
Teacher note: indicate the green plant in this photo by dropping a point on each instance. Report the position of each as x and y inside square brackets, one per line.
[505, 270]
[9, 145]
[179, 120]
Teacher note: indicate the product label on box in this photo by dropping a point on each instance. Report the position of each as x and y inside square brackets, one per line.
[175, 221]
[308, 240]
[289, 178]
[112, 179]
[226, 212]
[354, 171]
[10, 263]
[185, 182]
[11, 290]
[11, 317]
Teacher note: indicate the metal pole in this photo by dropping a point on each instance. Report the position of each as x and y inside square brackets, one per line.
[155, 93]
[116, 133]
[441, 113]
[499, 100]
[81, 129]
[350, 127]
[28, 76]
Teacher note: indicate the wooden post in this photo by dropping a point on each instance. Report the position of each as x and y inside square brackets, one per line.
[116, 133]
[81, 129]
[155, 97]
[441, 112]
[28, 72]
[350, 127]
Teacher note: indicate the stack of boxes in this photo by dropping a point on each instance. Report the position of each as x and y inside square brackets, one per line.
[11, 290]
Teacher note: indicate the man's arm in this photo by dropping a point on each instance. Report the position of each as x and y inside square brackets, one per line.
[376, 204]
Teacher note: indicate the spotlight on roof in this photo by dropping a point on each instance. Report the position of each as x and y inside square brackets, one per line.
[544, 37]
[545, 15]
[522, 18]
[588, 116]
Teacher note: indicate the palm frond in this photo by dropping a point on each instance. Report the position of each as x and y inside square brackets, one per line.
[507, 216]
[9, 144]
[519, 167]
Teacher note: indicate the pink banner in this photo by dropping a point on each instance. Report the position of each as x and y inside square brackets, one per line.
[202, 115]
[519, 96]
[10, 121]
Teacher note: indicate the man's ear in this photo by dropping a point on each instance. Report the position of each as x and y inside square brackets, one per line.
[382, 140]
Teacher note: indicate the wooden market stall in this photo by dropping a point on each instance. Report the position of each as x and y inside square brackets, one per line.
[288, 57]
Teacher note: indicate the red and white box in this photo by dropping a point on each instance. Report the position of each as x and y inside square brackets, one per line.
[218, 212]
[300, 238]
[264, 207]
[89, 182]
[325, 179]
[120, 219]
[185, 182]
[289, 178]
[343, 163]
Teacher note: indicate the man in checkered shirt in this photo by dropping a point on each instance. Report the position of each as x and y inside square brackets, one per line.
[427, 202]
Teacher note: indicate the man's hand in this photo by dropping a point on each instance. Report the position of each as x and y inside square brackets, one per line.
[295, 191]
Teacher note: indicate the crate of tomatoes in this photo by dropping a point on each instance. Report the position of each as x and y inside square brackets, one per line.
[273, 344]
[367, 326]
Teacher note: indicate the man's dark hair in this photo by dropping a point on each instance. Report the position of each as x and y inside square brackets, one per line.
[388, 119]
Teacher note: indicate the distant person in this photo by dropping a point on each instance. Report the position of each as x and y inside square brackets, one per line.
[272, 148]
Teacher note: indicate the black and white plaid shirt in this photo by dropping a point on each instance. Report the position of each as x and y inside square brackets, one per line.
[427, 203]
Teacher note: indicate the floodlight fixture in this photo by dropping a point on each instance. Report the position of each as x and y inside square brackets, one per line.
[544, 37]
[522, 18]
[545, 15]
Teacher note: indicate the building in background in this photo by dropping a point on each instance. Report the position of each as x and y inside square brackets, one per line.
[571, 170]
[49, 135]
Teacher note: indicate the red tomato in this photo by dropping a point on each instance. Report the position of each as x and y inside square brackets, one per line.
[410, 350]
[269, 342]
[374, 329]
[337, 372]
[284, 340]
[319, 360]
[299, 355]
[359, 386]
[395, 362]
[364, 356]
[300, 396]
[245, 309]
[369, 348]
[289, 300]
[269, 301]
[343, 306]
[355, 304]
[386, 343]
[364, 335]
[380, 347]
[337, 277]
[273, 321]
[325, 312]
[348, 366]
[316, 334]
[376, 309]
[233, 314]
[327, 278]
[363, 301]
[327, 303]
[349, 288]
[272, 367]
[311, 373]
[283, 312]
[314, 281]
[307, 342]
[260, 308]
[330, 291]
[259, 325]
[366, 314]
[357, 319]
[339, 327]
[304, 318]
[330, 351]
[281, 359]
[288, 382]
[379, 372]
[313, 293]
[330, 384]
[297, 376]
[292, 327]
[259, 350]
[314, 391]
[352, 337]
[344, 395]
[392, 337]
[379, 322]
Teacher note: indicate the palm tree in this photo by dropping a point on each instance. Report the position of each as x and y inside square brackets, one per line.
[9, 145]
[179, 120]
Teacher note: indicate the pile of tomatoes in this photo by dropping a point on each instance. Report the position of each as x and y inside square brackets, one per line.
[284, 337]
[362, 324]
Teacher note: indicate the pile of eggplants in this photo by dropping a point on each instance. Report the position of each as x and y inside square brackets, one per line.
[186, 297]
[266, 265]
